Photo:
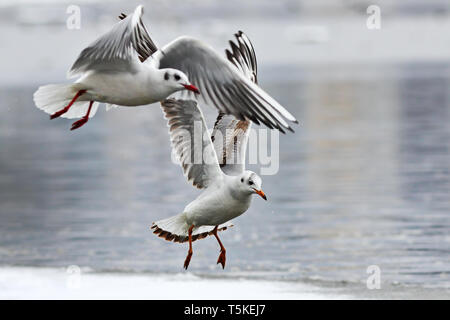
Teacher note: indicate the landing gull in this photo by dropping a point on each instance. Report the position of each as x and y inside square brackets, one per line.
[227, 186]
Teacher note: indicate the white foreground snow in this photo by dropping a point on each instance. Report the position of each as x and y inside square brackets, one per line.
[46, 283]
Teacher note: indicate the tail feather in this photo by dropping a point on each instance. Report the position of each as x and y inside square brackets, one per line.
[176, 229]
[53, 97]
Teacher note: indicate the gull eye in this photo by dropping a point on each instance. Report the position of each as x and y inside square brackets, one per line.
[242, 179]
[250, 182]
[166, 76]
[177, 77]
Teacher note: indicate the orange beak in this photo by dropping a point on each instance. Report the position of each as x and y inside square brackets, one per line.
[261, 194]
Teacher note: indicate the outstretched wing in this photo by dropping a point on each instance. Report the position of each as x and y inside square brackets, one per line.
[119, 49]
[191, 142]
[230, 135]
[222, 84]
[230, 138]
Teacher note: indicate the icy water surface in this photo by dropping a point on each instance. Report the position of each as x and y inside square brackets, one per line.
[363, 181]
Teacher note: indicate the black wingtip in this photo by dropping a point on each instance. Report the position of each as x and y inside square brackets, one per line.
[233, 46]
[281, 130]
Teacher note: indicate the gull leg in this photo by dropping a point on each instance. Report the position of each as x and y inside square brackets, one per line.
[222, 257]
[65, 109]
[189, 255]
[83, 120]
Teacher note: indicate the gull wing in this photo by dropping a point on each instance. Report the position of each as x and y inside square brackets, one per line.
[222, 84]
[120, 49]
[230, 135]
[191, 142]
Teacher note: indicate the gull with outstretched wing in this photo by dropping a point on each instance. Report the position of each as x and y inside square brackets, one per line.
[215, 164]
[124, 67]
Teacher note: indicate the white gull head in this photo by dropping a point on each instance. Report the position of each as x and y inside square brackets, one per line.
[175, 80]
[249, 182]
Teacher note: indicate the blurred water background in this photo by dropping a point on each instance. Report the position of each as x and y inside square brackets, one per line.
[365, 180]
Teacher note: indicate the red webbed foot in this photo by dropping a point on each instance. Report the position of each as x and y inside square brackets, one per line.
[79, 123]
[222, 258]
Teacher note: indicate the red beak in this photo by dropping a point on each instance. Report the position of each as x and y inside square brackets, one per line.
[192, 88]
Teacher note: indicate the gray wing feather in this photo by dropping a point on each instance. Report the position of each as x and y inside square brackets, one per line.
[222, 85]
[230, 135]
[191, 142]
[119, 49]
[243, 56]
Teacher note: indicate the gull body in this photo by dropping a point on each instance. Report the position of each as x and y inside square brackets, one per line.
[221, 202]
[145, 86]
